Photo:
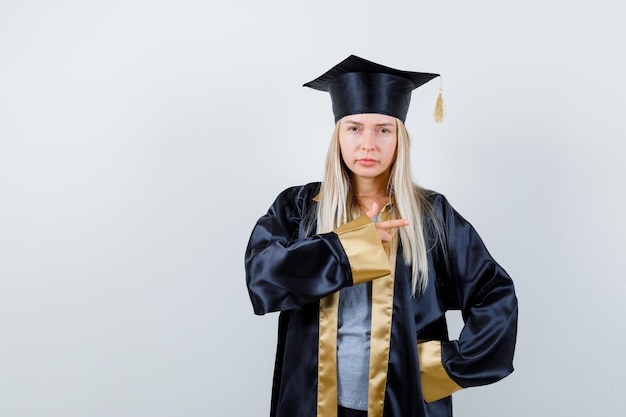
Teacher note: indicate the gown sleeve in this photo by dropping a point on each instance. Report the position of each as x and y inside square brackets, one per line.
[485, 294]
[286, 271]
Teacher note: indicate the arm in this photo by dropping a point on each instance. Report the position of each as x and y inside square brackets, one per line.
[484, 292]
[285, 271]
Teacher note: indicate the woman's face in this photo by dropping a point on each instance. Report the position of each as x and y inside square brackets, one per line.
[368, 143]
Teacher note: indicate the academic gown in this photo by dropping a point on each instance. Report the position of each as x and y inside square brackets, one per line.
[414, 367]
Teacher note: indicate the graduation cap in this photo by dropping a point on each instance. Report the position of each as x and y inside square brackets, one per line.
[357, 85]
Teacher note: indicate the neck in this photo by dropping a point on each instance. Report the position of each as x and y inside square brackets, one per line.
[369, 187]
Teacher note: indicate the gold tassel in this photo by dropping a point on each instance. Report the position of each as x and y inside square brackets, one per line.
[438, 114]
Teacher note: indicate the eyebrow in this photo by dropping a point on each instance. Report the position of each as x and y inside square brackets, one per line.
[354, 122]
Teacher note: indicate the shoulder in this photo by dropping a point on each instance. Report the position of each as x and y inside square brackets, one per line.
[436, 200]
[304, 193]
[295, 199]
[440, 208]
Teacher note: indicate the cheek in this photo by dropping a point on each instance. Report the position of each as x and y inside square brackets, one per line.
[344, 149]
[391, 149]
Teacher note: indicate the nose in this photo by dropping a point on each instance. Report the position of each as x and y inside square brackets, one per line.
[368, 141]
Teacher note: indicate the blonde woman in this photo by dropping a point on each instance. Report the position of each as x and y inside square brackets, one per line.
[363, 266]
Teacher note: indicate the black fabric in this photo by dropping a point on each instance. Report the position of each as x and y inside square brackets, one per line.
[288, 271]
[357, 85]
[356, 93]
[349, 412]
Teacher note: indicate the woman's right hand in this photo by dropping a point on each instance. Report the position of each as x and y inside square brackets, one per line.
[384, 229]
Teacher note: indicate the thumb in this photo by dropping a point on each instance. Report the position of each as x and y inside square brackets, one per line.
[371, 213]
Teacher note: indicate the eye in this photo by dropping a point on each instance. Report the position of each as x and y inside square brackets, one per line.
[353, 128]
[384, 130]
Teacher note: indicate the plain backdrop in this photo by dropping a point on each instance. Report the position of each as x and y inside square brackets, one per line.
[141, 140]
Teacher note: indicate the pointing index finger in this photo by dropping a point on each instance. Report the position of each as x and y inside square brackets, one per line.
[390, 224]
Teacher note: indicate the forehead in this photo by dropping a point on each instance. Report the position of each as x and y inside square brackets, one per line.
[369, 119]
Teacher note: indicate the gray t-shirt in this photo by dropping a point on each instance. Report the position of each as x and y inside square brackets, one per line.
[353, 345]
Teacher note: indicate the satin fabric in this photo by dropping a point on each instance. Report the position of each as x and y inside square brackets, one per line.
[289, 272]
[370, 260]
[356, 93]
[348, 412]
[357, 85]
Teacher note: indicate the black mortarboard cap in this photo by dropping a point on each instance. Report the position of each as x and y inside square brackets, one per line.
[357, 85]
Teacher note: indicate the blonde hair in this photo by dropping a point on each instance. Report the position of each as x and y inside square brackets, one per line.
[338, 206]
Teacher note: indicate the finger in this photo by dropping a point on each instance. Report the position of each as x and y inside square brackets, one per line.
[371, 213]
[390, 224]
[384, 236]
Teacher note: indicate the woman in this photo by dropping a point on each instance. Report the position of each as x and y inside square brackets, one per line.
[363, 267]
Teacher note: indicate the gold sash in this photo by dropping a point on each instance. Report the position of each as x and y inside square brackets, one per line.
[382, 310]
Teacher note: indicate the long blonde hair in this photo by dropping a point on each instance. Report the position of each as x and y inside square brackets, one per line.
[338, 206]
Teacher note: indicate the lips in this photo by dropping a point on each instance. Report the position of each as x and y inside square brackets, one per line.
[367, 162]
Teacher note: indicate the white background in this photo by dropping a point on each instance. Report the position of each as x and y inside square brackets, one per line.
[141, 140]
